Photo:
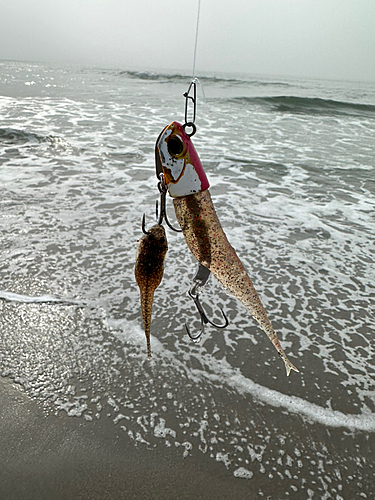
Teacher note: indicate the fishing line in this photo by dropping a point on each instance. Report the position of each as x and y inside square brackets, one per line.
[192, 99]
[196, 38]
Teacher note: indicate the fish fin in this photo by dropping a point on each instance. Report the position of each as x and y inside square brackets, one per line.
[289, 366]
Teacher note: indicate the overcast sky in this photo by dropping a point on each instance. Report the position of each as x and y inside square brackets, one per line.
[317, 38]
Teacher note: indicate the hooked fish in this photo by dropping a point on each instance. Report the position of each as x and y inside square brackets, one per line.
[188, 185]
[149, 267]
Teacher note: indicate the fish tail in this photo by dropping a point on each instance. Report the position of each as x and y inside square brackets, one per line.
[148, 341]
[146, 306]
[289, 366]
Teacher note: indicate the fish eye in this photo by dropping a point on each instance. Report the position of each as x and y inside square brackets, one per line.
[175, 146]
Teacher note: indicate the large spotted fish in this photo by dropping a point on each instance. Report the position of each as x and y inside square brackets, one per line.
[188, 185]
[149, 267]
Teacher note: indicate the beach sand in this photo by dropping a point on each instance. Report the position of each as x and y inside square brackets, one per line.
[59, 457]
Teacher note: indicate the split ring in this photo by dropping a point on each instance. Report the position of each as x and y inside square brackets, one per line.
[191, 125]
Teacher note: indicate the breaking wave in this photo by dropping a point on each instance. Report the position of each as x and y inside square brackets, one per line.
[13, 136]
[42, 299]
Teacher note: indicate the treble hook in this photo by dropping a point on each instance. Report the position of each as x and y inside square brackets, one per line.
[199, 281]
[162, 186]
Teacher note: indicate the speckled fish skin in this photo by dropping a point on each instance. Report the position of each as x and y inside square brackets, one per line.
[149, 268]
[209, 245]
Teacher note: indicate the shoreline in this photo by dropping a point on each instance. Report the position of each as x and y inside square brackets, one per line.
[61, 457]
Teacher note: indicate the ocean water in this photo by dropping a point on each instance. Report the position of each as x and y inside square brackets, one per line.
[291, 167]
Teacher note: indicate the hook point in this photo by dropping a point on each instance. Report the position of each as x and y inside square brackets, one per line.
[144, 225]
[198, 337]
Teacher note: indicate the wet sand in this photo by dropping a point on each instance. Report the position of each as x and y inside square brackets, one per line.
[57, 457]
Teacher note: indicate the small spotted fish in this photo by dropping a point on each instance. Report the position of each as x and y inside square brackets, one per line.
[188, 185]
[149, 267]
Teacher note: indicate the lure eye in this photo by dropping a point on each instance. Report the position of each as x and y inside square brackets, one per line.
[175, 146]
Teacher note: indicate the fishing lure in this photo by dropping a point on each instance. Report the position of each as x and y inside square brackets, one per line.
[187, 183]
[149, 268]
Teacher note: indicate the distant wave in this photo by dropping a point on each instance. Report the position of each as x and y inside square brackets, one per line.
[177, 78]
[308, 105]
[281, 103]
[148, 75]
